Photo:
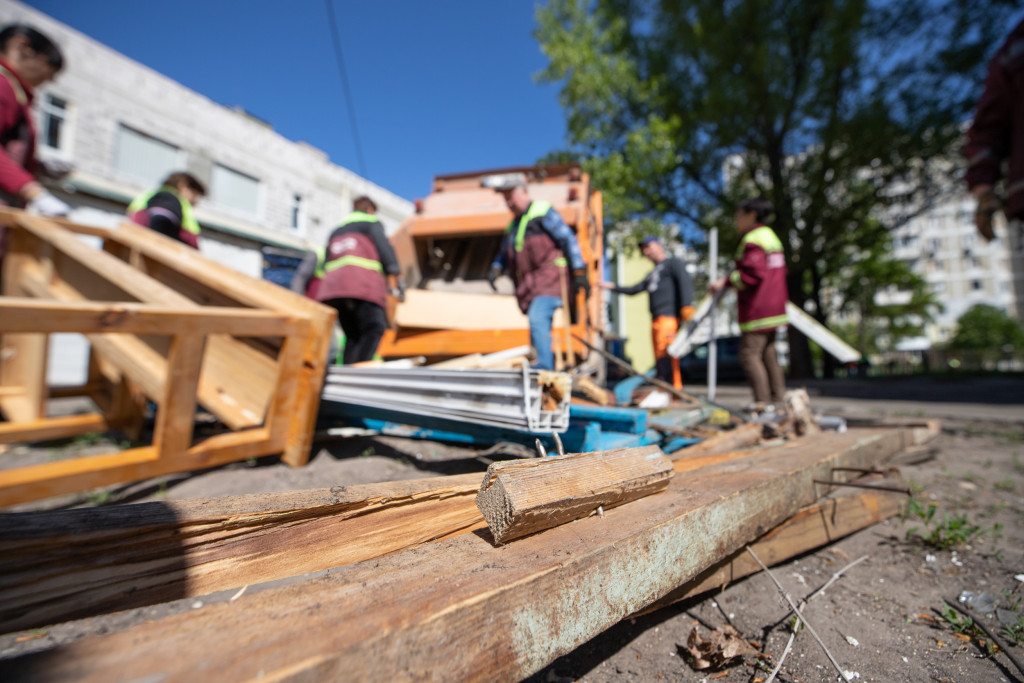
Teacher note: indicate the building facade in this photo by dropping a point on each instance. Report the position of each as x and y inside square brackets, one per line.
[943, 246]
[124, 127]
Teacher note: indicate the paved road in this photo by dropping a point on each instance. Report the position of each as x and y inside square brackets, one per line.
[986, 399]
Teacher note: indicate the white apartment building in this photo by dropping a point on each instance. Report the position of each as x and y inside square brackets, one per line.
[124, 127]
[943, 246]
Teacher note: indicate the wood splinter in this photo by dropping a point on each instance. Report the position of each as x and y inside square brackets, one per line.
[522, 497]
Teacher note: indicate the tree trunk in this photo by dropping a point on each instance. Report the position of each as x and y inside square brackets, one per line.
[801, 365]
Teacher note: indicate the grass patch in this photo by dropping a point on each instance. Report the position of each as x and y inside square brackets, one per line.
[952, 531]
[1007, 484]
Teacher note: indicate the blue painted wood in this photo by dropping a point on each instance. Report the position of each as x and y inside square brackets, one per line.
[624, 390]
[591, 428]
[613, 419]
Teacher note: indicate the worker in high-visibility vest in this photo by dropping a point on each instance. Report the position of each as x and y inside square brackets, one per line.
[358, 262]
[168, 208]
[536, 250]
[670, 292]
[28, 59]
[759, 278]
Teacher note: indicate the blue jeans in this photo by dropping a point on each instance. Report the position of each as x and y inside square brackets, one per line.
[540, 314]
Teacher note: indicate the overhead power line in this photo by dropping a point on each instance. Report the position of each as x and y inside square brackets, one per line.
[336, 39]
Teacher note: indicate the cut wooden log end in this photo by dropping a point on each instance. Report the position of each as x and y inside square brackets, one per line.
[798, 403]
[518, 498]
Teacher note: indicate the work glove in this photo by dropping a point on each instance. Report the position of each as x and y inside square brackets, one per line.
[399, 292]
[686, 313]
[579, 281]
[492, 275]
[45, 204]
[988, 204]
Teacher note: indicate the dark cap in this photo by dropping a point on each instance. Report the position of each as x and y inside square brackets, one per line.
[648, 239]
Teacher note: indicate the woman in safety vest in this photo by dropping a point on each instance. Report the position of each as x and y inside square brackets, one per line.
[759, 278]
[168, 208]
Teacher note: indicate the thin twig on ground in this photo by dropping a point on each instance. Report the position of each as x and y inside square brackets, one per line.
[816, 592]
[799, 615]
[834, 578]
[995, 639]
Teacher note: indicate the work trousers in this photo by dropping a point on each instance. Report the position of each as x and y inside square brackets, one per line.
[540, 313]
[363, 324]
[663, 332]
[761, 365]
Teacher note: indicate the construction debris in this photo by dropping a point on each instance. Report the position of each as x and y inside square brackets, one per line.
[165, 325]
[523, 399]
[513, 609]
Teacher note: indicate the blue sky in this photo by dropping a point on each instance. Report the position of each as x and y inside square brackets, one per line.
[438, 87]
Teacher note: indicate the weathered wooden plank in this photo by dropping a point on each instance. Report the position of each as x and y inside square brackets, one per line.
[812, 527]
[522, 497]
[467, 610]
[74, 563]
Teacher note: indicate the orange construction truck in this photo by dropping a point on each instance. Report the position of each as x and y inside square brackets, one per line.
[446, 248]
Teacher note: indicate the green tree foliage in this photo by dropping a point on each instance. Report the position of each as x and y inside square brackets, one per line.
[987, 328]
[836, 110]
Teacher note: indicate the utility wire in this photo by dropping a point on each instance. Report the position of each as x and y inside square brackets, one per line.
[344, 84]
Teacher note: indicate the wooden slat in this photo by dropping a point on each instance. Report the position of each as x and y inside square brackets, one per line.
[175, 419]
[233, 381]
[459, 311]
[456, 225]
[35, 315]
[51, 428]
[81, 474]
[464, 606]
[522, 497]
[23, 360]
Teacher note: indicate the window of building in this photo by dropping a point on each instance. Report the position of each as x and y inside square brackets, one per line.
[54, 123]
[144, 157]
[298, 213]
[938, 287]
[976, 285]
[235, 191]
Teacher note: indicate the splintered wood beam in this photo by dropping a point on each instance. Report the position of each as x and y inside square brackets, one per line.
[463, 606]
[67, 564]
[522, 497]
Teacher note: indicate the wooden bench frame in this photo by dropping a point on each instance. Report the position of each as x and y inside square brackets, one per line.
[165, 324]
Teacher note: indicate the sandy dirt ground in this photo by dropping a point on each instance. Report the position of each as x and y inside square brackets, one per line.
[882, 619]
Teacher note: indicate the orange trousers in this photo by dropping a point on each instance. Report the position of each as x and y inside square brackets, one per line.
[663, 331]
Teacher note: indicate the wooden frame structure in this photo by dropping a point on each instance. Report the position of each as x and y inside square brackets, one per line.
[165, 324]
